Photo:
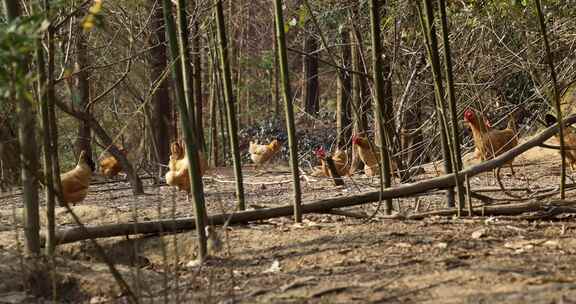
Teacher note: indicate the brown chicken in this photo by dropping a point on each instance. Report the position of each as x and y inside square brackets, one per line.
[569, 140]
[340, 159]
[76, 181]
[179, 166]
[260, 154]
[110, 166]
[369, 157]
[477, 152]
[491, 142]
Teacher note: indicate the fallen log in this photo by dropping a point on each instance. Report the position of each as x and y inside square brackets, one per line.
[403, 190]
[550, 207]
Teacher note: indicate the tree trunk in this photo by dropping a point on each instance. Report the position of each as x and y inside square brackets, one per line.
[219, 95]
[343, 115]
[382, 97]
[310, 85]
[53, 127]
[81, 94]
[230, 103]
[29, 152]
[44, 83]
[160, 125]
[288, 108]
[213, 121]
[197, 83]
[275, 82]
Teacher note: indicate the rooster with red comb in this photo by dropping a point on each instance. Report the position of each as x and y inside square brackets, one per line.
[340, 159]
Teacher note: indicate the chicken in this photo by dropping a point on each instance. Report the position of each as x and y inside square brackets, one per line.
[179, 164]
[477, 153]
[569, 140]
[340, 159]
[110, 166]
[76, 181]
[260, 154]
[491, 142]
[369, 157]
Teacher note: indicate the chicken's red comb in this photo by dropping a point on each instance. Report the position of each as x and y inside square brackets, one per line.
[469, 114]
[320, 152]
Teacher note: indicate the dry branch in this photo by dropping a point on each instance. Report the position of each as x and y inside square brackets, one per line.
[442, 182]
[549, 207]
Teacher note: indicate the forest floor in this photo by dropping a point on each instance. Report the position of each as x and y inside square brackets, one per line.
[325, 259]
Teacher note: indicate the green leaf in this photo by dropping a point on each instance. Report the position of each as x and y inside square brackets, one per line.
[302, 16]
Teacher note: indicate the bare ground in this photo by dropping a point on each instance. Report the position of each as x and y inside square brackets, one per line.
[326, 259]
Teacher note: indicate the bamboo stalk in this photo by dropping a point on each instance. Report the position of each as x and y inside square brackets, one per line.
[46, 144]
[184, 50]
[379, 103]
[196, 186]
[455, 136]
[230, 102]
[556, 98]
[288, 108]
[432, 50]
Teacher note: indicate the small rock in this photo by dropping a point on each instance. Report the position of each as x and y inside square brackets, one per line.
[490, 220]
[194, 263]
[441, 245]
[479, 233]
[552, 243]
[275, 267]
[403, 245]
